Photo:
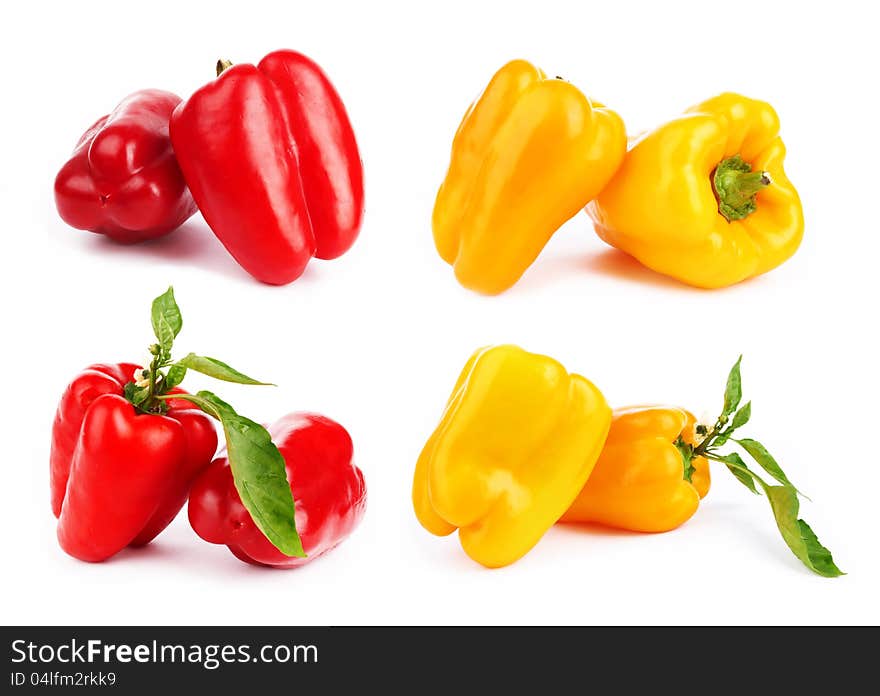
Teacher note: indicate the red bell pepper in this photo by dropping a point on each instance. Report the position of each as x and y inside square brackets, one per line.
[127, 443]
[327, 487]
[271, 159]
[122, 180]
[119, 477]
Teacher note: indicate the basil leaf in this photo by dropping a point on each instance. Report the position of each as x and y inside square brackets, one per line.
[739, 469]
[216, 369]
[742, 416]
[760, 454]
[733, 391]
[175, 376]
[797, 534]
[258, 471]
[166, 319]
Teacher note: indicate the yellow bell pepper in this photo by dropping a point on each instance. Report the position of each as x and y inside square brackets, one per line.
[654, 469]
[640, 482]
[704, 198]
[529, 154]
[518, 439]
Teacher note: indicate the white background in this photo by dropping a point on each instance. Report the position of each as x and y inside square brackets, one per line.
[376, 339]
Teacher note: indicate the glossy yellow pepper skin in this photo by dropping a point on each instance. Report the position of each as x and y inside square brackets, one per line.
[517, 441]
[666, 207]
[529, 154]
[638, 482]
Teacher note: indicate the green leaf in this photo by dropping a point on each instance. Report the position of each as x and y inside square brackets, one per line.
[733, 391]
[722, 437]
[760, 454]
[797, 534]
[742, 416]
[216, 369]
[739, 469]
[175, 376]
[258, 471]
[167, 320]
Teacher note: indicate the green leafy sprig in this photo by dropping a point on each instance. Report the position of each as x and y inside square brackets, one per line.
[258, 468]
[782, 494]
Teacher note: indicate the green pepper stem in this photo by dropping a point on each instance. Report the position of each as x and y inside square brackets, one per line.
[223, 65]
[153, 404]
[736, 187]
[745, 470]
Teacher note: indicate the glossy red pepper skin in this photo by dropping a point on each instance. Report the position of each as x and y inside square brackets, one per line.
[328, 490]
[123, 180]
[272, 161]
[119, 477]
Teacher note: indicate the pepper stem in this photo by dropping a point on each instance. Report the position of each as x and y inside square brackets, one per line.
[736, 187]
[223, 65]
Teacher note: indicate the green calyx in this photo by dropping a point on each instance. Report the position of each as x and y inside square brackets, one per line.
[687, 458]
[150, 385]
[781, 493]
[736, 187]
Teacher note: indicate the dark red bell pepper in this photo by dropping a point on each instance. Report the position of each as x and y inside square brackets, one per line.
[119, 476]
[122, 180]
[328, 490]
[271, 159]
